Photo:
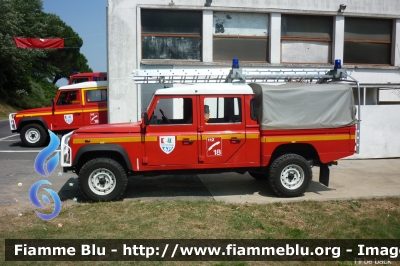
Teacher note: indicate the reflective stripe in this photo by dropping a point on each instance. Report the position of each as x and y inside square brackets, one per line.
[155, 138]
[294, 139]
[106, 140]
[222, 136]
[63, 112]
[193, 137]
[35, 114]
[94, 110]
[252, 136]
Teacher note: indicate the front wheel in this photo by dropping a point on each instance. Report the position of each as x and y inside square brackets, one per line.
[290, 175]
[102, 179]
[33, 135]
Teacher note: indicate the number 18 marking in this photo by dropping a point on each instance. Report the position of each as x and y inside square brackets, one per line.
[218, 152]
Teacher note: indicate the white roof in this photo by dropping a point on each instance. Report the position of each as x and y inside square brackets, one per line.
[207, 88]
[88, 84]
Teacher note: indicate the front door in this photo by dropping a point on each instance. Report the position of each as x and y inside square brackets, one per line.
[171, 136]
[68, 110]
[222, 128]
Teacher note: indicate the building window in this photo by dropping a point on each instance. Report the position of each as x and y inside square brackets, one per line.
[240, 35]
[367, 41]
[306, 39]
[171, 34]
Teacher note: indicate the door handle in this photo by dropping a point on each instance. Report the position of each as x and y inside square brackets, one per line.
[187, 141]
[77, 113]
[235, 140]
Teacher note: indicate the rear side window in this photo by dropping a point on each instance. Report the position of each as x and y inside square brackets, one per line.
[253, 109]
[222, 110]
[96, 96]
[79, 80]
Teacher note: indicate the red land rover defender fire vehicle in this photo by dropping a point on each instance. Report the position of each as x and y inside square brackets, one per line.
[85, 77]
[272, 132]
[75, 106]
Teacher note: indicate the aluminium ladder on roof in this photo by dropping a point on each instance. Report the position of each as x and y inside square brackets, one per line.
[152, 76]
[239, 75]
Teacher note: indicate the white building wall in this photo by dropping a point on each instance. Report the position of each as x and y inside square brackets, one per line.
[396, 42]
[338, 38]
[275, 38]
[207, 36]
[121, 48]
[379, 132]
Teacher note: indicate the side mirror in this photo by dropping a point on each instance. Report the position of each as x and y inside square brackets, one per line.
[146, 118]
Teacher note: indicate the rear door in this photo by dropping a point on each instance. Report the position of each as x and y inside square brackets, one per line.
[222, 129]
[94, 106]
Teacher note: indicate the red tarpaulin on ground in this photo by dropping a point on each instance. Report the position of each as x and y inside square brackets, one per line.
[39, 43]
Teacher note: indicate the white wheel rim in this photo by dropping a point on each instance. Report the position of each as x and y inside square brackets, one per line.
[102, 181]
[292, 177]
[32, 135]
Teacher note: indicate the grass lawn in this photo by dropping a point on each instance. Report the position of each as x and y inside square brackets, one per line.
[357, 219]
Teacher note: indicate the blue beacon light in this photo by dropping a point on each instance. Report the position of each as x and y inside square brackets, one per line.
[338, 64]
[235, 63]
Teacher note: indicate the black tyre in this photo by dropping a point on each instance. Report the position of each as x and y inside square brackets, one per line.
[33, 135]
[290, 175]
[102, 179]
[258, 176]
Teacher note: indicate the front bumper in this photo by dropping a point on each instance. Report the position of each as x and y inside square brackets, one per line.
[13, 125]
[66, 160]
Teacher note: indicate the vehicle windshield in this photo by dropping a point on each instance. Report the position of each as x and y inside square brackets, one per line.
[151, 100]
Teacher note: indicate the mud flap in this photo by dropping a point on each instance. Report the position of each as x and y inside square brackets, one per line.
[324, 174]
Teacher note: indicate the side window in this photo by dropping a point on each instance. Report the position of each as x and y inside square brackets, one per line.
[253, 109]
[79, 80]
[68, 98]
[222, 110]
[96, 96]
[172, 111]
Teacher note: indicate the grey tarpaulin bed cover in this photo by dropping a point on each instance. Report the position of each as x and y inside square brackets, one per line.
[303, 106]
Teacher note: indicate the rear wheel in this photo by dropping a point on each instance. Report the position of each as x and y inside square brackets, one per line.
[33, 135]
[102, 179]
[290, 175]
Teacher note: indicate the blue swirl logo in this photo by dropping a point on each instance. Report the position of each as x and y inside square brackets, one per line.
[44, 154]
[45, 169]
[35, 201]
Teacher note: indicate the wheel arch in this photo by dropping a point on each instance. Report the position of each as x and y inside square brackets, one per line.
[31, 120]
[306, 150]
[113, 151]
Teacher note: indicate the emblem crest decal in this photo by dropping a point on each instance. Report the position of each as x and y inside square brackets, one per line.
[167, 143]
[68, 119]
[94, 118]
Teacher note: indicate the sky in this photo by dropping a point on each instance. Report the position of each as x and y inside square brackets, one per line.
[88, 19]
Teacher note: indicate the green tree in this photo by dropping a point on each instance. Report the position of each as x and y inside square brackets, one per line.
[67, 60]
[27, 75]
